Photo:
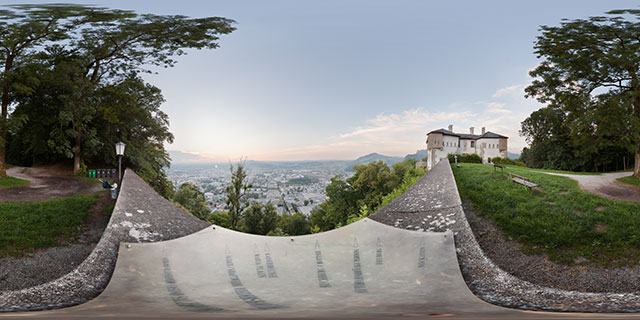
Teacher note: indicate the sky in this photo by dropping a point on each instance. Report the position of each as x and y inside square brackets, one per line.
[338, 79]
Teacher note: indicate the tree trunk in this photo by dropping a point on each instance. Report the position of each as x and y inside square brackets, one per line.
[76, 154]
[636, 167]
[3, 118]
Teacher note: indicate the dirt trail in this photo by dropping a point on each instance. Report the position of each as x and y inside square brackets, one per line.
[46, 182]
[605, 185]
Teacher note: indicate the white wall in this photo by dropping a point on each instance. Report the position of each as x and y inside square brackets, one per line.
[486, 148]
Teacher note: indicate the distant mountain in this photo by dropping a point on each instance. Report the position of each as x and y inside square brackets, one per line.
[184, 157]
[373, 157]
[419, 155]
[513, 155]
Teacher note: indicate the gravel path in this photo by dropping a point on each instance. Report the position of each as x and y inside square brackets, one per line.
[46, 183]
[605, 185]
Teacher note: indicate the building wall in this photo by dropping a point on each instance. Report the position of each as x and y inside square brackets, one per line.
[489, 148]
[439, 146]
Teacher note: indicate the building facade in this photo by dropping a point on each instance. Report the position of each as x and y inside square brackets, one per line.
[442, 142]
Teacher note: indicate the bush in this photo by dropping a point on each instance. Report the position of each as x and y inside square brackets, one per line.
[507, 161]
[466, 158]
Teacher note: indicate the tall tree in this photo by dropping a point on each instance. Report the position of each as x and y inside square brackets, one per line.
[22, 29]
[584, 59]
[115, 44]
[236, 194]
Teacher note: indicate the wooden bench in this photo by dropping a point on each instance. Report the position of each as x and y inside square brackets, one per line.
[522, 180]
[498, 166]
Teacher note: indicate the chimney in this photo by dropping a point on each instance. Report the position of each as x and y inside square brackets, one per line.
[482, 130]
[471, 130]
[451, 127]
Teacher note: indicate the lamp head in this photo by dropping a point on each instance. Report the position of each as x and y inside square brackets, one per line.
[120, 148]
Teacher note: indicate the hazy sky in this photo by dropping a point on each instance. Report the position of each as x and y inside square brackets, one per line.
[302, 80]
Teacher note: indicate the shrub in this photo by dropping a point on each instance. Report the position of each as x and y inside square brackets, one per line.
[507, 161]
[467, 158]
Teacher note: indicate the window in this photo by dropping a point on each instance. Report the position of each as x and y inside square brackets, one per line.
[473, 144]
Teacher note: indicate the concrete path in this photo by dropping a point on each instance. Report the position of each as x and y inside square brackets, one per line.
[605, 185]
[45, 183]
[364, 270]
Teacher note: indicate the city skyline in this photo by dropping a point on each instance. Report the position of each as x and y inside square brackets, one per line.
[335, 80]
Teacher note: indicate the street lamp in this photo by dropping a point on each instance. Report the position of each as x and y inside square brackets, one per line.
[120, 152]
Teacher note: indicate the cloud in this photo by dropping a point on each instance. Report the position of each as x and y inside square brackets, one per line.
[508, 91]
[404, 132]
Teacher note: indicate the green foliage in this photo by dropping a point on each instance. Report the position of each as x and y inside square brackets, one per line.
[259, 219]
[236, 193]
[465, 158]
[77, 83]
[364, 212]
[11, 182]
[507, 161]
[351, 199]
[23, 28]
[277, 232]
[220, 218]
[561, 220]
[588, 78]
[294, 224]
[410, 178]
[27, 226]
[192, 199]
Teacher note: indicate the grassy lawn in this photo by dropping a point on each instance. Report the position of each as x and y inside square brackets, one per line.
[559, 219]
[25, 226]
[630, 180]
[11, 182]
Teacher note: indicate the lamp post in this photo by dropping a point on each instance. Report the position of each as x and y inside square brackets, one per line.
[120, 152]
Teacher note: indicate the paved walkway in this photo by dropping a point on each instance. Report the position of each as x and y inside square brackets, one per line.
[605, 185]
[364, 270]
[45, 183]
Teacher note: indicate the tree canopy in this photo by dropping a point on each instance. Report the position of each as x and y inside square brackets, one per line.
[588, 78]
[71, 74]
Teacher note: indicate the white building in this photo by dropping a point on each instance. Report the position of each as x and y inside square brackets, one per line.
[487, 145]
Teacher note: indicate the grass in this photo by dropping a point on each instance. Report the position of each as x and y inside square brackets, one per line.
[572, 172]
[11, 182]
[107, 209]
[630, 180]
[559, 220]
[26, 226]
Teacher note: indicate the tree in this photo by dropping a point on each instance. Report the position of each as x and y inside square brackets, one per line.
[253, 218]
[236, 193]
[192, 199]
[371, 182]
[294, 224]
[590, 64]
[22, 29]
[260, 219]
[115, 44]
[270, 219]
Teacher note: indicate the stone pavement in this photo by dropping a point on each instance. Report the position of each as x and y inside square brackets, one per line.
[363, 270]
